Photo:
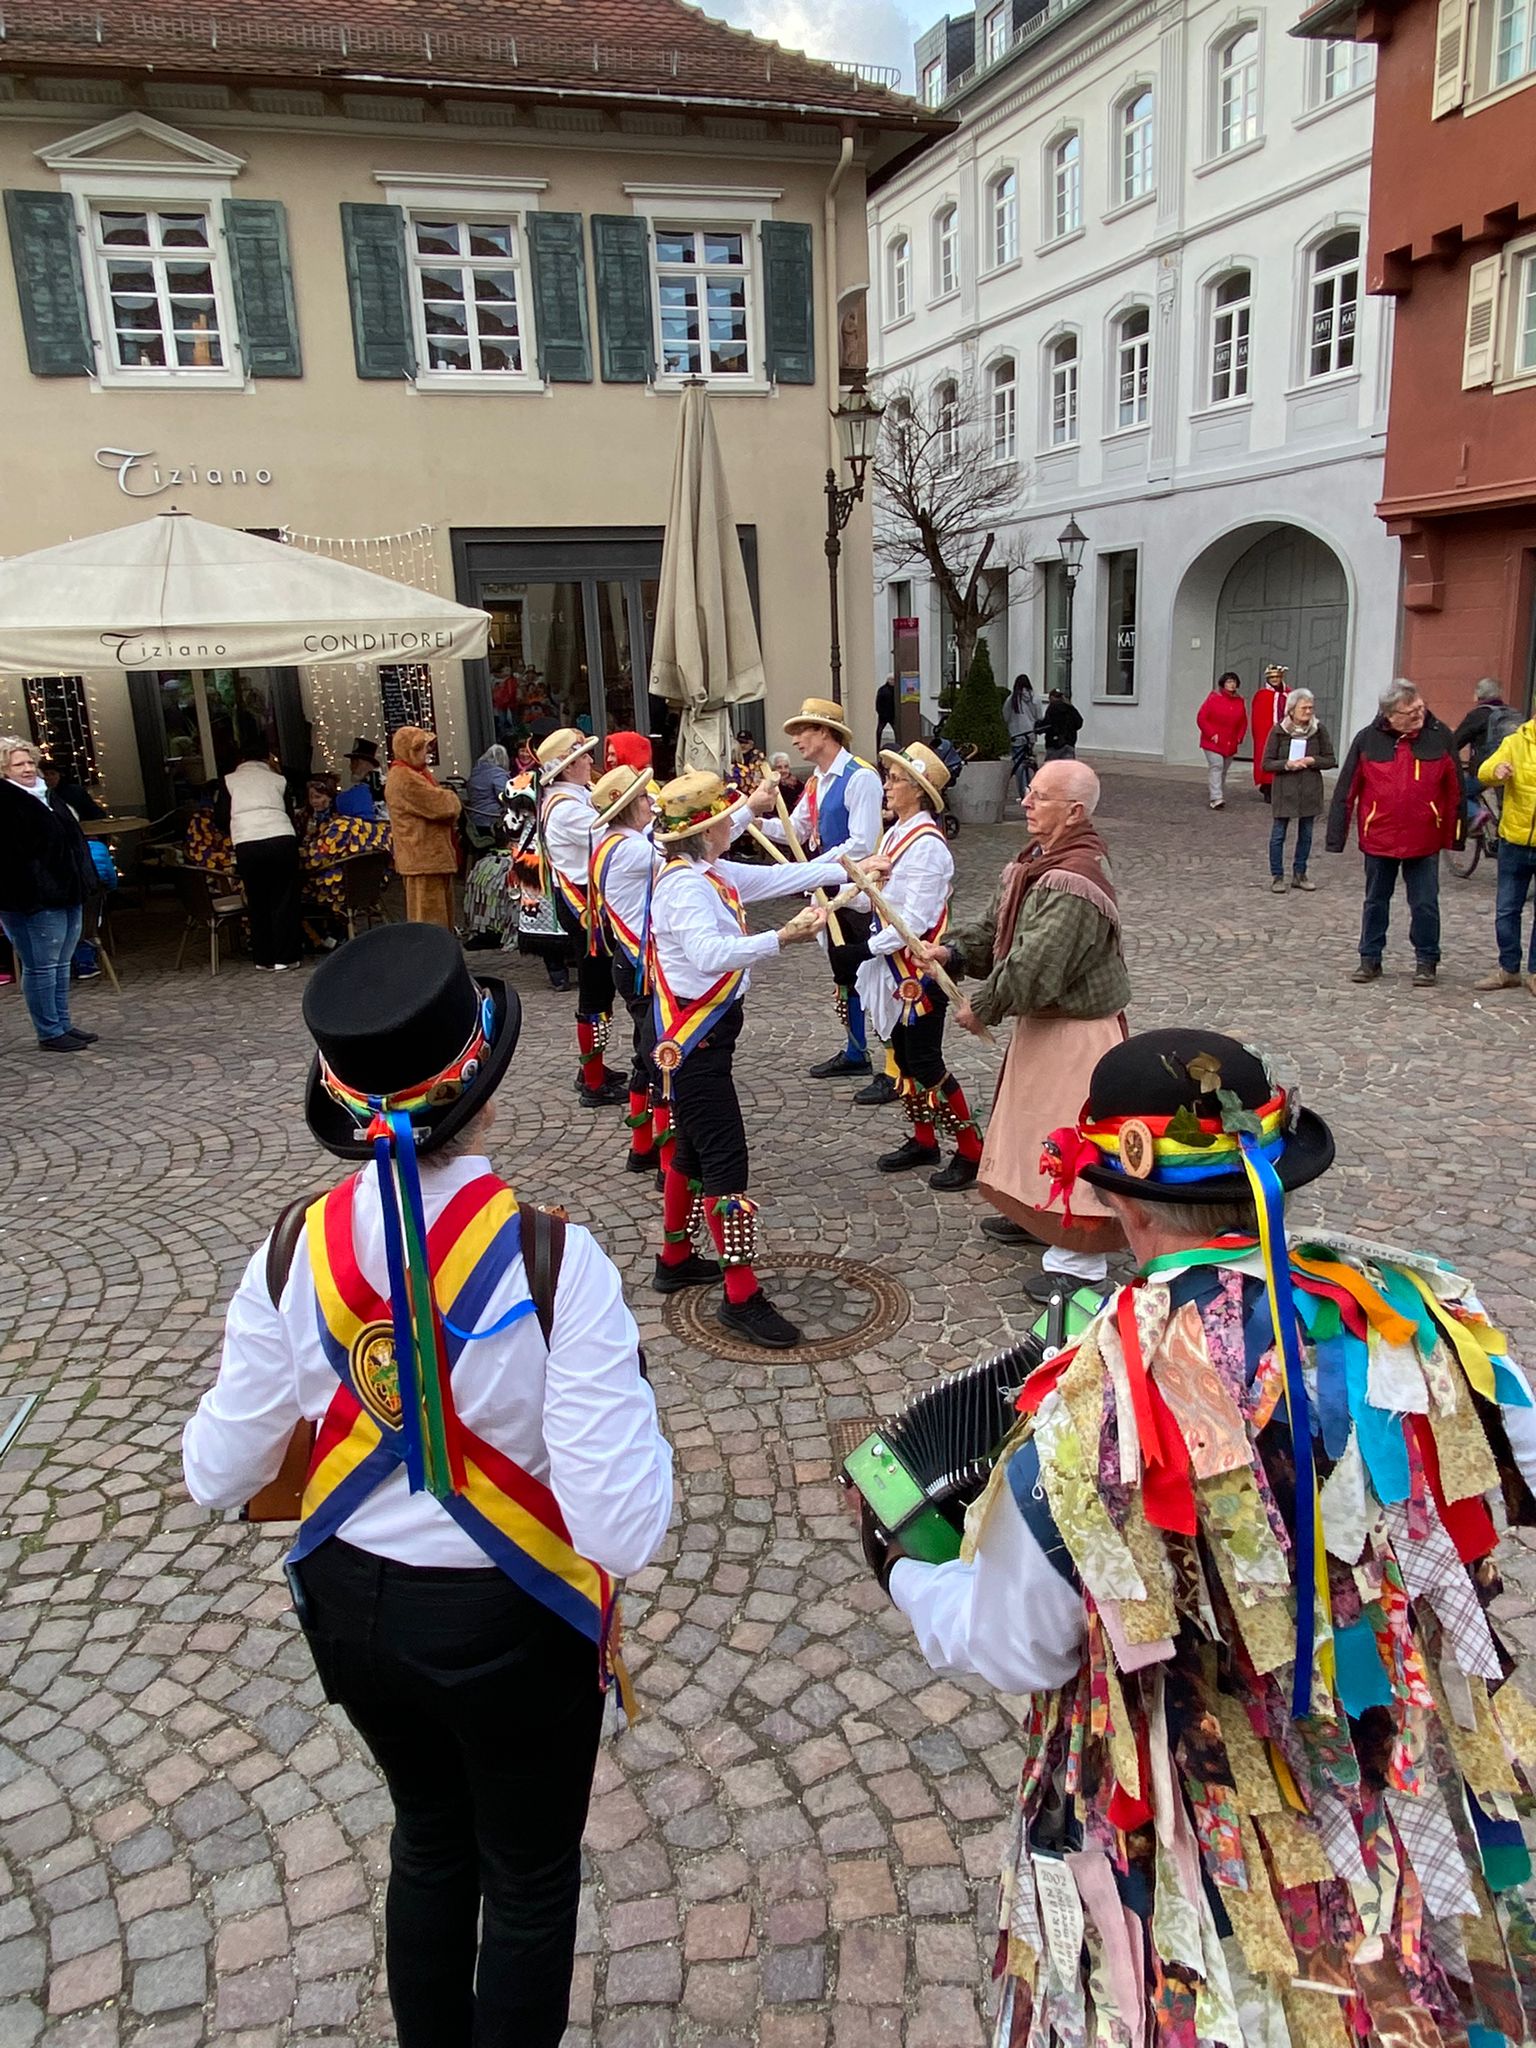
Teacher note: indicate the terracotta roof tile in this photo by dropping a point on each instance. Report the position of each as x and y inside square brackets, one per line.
[634, 49]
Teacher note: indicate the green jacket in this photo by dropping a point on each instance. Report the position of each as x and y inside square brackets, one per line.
[1065, 960]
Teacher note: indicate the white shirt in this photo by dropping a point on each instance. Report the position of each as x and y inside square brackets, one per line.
[695, 932]
[862, 794]
[258, 804]
[569, 815]
[918, 889]
[627, 877]
[578, 1416]
[1009, 1616]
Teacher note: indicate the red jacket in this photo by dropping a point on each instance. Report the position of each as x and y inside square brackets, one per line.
[1222, 720]
[1406, 792]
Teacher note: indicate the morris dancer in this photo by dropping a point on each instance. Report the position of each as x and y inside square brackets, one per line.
[839, 812]
[700, 956]
[1238, 1555]
[623, 871]
[566, 820]
[484, 1464]
[914, 870]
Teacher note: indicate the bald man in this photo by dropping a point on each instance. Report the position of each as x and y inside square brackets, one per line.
[1049, 958]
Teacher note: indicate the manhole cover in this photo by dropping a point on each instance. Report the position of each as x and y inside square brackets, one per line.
[838, 1305]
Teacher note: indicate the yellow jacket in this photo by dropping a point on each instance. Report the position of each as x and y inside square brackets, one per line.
[1517, 819]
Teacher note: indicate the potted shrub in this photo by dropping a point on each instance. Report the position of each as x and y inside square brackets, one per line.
[977, 721]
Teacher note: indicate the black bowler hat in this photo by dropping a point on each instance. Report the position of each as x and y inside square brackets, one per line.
[1140, 1086]
[365, 750]
[399, 1022]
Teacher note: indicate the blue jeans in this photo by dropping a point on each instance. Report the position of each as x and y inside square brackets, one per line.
[1277, 832]
[1023, 764]
[1421, 882]
[44, 942]
[1517, 871]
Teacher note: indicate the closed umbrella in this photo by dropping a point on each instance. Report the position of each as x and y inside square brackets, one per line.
[706, 655]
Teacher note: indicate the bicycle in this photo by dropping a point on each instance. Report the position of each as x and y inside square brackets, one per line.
[1482, 837]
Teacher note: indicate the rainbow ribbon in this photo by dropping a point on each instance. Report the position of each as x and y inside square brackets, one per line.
[434, 1452]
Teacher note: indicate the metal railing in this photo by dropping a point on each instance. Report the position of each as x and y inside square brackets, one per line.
[1036, 25]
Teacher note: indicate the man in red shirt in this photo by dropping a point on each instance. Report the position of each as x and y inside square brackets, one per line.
[1400, 776]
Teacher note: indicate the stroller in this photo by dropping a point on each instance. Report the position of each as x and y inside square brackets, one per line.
[954, 759]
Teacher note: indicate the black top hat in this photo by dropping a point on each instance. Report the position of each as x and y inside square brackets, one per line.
[394, 1013]
[1158, 1073]
[365, 750]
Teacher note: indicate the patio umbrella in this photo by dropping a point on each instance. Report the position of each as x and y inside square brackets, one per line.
[176, 592]
[706, 655]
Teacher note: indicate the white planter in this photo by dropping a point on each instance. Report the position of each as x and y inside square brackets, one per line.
[978, 797]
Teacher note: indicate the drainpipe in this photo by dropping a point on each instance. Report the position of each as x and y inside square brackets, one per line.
[829, 257]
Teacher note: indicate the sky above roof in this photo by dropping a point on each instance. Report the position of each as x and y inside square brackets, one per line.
[856, 31]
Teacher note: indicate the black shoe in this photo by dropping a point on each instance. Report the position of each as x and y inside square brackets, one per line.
[606, 1097]
[1042, 1287]
[85, 1037]
[834, 1069]
[877, 1092]
[1424, 974]
[960, 1173]
[690, 1272]
[759, 1322]
[1368, 970]
[63, 1043]
[560, 981]
[85, 974]
[1003, 1230]
[639, 1162]
[906, 1158]
[661, 1178]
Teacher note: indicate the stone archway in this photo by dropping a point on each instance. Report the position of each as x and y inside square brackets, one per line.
[1269, 591]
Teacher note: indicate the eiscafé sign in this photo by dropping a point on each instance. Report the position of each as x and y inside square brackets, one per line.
[141, 473]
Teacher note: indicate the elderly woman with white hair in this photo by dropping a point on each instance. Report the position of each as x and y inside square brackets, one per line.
[45, 877]
[1297, 751]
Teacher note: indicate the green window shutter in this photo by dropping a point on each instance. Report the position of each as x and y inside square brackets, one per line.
[377, 284]
[789, 301]
[45, 253]
[559, 258]
[256, 231]
[621, 257]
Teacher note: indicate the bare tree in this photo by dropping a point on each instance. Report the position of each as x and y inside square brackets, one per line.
[939, 499]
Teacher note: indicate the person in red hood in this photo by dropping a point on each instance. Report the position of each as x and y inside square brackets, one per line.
[1223, 720]
[627, 750]
[1400, 777]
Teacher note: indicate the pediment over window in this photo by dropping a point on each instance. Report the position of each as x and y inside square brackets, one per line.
[138, 142]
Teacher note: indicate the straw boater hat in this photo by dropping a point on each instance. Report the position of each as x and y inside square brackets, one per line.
[563, 746]
[924, 767]
[821, 711]
[689, 803]
[617, 790]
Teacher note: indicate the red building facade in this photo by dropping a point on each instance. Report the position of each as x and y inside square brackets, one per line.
[1453, 242]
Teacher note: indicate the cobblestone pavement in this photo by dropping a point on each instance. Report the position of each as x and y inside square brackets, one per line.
[795, 1847]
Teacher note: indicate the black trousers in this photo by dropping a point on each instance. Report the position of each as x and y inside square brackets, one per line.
[919, 1047]
[594, 971]
[711, 1143]
[845, 960]
[642, 1015]
[273, 881]
[482, 1709]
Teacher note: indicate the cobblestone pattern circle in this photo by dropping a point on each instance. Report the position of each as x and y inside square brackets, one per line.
[839, 1306]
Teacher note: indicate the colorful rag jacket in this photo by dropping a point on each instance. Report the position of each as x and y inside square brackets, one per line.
[1191, 1862]
[337, 837]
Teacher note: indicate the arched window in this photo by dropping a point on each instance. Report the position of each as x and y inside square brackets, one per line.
[946, 251]
[1237, 90]
[1231, 312]
[1003, 386]
[899, 273]
[1004, 191]
[946, 416]
[1134, 161]
[1333, 298]
[1063, 366]
[1133, 367]
[1066, 186]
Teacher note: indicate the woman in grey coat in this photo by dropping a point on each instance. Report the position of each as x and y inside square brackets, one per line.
[1296, 752]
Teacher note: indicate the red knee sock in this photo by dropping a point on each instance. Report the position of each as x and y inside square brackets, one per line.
[925, 1135]
[641, 1136]
[676, 1204]
[661, 1128]
[740, 1280]
[593, 1071]
[967, 1137]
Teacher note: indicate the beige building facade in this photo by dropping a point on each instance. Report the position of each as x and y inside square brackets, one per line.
[439, 327]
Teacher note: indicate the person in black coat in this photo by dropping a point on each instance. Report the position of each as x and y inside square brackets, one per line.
[1060, 724]
[45, 877]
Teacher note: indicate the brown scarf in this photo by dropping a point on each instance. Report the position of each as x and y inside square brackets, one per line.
[1077, 863]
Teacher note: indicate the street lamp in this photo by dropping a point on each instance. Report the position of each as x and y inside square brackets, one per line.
[1071, 541]
[858, 430]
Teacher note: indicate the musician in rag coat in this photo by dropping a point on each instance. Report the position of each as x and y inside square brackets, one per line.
[1049, 957]
[1237, 1556]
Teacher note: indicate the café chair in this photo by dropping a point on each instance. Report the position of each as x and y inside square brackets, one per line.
[211, 902]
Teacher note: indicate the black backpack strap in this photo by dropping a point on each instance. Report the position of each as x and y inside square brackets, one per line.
[543, 1249]
[282, 1245]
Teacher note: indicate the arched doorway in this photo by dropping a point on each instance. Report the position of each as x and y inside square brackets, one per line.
[1266, 591]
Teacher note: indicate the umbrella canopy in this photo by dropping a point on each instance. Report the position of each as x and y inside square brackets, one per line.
[176, 592]
[706, 655]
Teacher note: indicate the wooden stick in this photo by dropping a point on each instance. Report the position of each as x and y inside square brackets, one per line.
[834, 929]
[775, 852]
[903, 931]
